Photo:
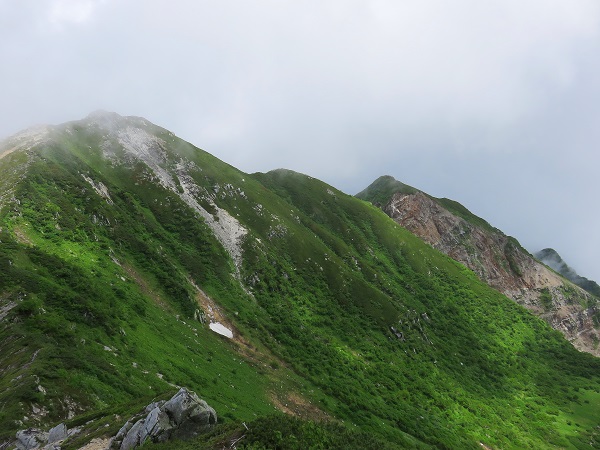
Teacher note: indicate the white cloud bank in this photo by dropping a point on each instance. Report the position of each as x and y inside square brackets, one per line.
[63, 12]
[495, 104]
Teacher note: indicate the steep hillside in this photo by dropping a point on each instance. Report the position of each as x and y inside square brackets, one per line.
[121, 245]
[497, 259]
[553, 260]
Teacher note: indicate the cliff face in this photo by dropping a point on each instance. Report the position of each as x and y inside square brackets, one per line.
[494, 257]
[501, 262]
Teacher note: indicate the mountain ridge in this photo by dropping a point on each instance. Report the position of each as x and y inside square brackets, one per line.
[112, 271]
[497, 259]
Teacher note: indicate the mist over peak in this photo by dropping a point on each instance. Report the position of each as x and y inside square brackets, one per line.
[552, 259]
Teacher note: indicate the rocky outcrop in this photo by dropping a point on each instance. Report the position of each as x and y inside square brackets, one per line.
[33, 438]
[184, 416]
[58, 433]
[496, 258]
[138, 143]
[501, 262]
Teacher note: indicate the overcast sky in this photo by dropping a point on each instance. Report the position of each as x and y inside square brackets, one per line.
[495, 103]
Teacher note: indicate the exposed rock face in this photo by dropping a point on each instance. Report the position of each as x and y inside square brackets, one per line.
[502, 263]
[135, 142]
[182, 417]
[58, 433]
[129, 141]
[33, 438]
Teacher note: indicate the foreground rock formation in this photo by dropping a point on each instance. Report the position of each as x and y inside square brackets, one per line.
[33, 438]
[184, 416]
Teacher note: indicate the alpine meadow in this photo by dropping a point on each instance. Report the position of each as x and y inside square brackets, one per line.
[134, 264]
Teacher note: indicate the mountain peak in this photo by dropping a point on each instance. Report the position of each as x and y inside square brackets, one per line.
[383, 188]
[552, 259]
[112, 121]
[101, 113]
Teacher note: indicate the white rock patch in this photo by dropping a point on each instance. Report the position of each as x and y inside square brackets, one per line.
[140, 144]
[151, 150]
[221, 329]
[100, 189]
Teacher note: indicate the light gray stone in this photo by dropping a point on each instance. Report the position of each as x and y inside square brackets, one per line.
[58, 433]
[156, 424]
[132, 439]
[184, 416]
[31, 438]
[153, 405]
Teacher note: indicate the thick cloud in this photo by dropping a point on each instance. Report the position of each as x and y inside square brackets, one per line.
[495, 104]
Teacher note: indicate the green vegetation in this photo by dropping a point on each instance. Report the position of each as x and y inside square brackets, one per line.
[289, 433]
[591, 286]
[103, 302]
[511, 250]
[459, 210]
[546, 299]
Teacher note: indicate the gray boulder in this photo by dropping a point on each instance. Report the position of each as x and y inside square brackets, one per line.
[184, 416]
[58, 433]
[132, 439]
[118, 439]
[31, 438]
[155, 426]
[153, 405]
[192, 414]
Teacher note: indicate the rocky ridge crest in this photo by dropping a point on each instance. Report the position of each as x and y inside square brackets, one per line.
[501, 262]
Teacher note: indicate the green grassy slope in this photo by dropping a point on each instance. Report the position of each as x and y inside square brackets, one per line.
[477, 362]
[104, 302]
